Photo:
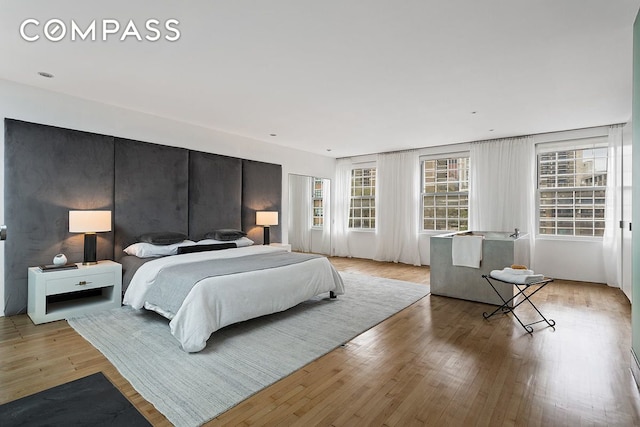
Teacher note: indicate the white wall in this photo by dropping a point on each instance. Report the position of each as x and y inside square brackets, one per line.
[570, 259]
[35, 105]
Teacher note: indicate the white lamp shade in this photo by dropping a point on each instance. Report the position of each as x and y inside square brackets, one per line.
[266, 218]
[89, 221]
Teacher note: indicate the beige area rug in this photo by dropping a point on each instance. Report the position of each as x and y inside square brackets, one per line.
[241, 359]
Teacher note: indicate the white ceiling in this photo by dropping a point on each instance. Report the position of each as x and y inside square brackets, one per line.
[353, 76]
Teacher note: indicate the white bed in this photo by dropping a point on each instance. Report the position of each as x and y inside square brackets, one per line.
[218, 301]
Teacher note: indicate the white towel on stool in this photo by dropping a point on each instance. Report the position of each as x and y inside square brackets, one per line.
[521, 279]
[518, 271]
[466, 251]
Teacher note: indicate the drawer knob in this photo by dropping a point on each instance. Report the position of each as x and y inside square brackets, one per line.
[82, 283]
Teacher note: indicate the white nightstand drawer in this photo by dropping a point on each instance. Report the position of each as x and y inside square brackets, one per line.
[55, 295]
[75, 284]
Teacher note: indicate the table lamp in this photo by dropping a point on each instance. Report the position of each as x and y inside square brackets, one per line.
[266, 218]
[89, 223]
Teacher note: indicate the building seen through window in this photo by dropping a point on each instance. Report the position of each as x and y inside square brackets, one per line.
[362, 208]
[445, 194]
[317, 197]
[571, 188]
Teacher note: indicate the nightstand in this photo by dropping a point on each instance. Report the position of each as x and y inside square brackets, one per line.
[286, 246]
[55, 295]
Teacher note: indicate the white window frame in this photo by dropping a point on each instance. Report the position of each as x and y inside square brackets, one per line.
[353, 197]
[314, 198]
[423, 193]
[598, 142]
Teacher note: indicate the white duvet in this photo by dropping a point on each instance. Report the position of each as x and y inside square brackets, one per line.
[216, 302]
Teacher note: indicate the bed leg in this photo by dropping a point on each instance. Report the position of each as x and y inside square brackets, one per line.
[332, 295]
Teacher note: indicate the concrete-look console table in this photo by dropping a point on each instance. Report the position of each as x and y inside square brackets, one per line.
[499, 250]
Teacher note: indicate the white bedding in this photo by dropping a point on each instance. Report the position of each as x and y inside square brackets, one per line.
[216, 302]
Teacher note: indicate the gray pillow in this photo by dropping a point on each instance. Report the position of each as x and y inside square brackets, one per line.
[225, 234]
[162, 238]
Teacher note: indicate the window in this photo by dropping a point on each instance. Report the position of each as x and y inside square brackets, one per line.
[317, 197]
[362, 209]
[571, 192]
[445, 194]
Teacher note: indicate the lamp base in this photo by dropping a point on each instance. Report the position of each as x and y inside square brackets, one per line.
[90, 249]
[266, 235]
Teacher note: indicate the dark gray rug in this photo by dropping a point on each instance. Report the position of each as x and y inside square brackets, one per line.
[89, 401]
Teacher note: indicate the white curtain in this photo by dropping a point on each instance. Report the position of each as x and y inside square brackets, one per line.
[342, 198]
[397, 212]
[326, 228]
[300, 213]
[502, 187]
[611, 240]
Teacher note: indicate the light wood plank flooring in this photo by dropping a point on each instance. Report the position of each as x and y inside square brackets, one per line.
[436, 363]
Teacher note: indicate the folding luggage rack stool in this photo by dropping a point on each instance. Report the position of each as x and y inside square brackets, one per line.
[522, 287]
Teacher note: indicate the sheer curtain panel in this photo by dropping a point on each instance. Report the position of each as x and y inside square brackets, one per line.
[300, 213]
[612, 238]
[398, 207]
[502, 187]
[342, 198]
[326, 212]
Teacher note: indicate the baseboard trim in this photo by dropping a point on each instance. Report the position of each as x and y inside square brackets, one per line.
[635, 368]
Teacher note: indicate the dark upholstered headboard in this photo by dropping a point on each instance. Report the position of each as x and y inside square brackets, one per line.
[151, 191]
[149, 187]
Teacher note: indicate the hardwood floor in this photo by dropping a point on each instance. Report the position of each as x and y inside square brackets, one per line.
[438, 362]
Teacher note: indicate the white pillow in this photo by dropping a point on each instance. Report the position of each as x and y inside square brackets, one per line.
[243, 241]
[148, 250]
